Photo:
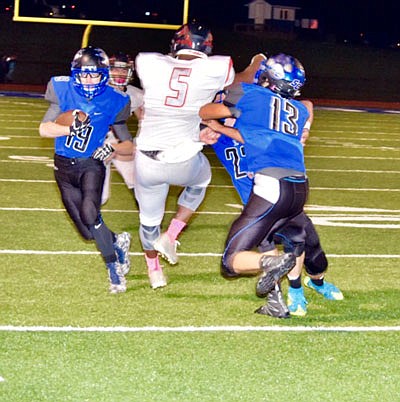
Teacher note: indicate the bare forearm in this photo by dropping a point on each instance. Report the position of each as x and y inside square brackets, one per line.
[124, 148]
[53, 130]
[225, 130]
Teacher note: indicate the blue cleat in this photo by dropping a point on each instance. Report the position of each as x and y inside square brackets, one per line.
[297, 303]
[121, 247]
[117, 280]
[328, 290]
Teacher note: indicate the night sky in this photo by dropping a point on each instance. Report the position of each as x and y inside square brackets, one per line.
[338, 17]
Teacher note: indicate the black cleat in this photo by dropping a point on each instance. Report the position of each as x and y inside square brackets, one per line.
[275, 306]
[274, 267]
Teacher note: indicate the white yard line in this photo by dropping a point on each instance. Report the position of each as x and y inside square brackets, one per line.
[84, 252]
[222, 328]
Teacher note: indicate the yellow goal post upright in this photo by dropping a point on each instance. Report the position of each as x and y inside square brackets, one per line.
[90, 23]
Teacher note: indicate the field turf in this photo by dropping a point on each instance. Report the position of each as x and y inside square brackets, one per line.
[63, 337]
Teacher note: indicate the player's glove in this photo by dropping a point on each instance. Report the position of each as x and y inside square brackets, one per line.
[78, 126]
[103, 153]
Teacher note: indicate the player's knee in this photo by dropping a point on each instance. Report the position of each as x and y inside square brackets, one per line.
[86, 233]
[148, 235]
[192, 197]
[89, 213]
[296, 248]
[226, 268]
[315, 262]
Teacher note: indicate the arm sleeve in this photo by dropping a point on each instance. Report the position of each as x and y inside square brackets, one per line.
[120, 127]
[54, 109]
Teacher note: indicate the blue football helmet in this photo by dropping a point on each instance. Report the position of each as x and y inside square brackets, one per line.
[282, 74]
[192, 39]
[94, 62]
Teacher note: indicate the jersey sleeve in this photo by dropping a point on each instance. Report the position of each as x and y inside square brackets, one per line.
[54, 108]
[120, 127]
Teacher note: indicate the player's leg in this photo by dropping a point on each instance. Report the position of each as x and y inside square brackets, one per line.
[92, 179]
[106, 185]
[126, 168]
[293, 238]
[66, 175]
[316, 265]
[253, 225]
[195, 175]
[151, 191]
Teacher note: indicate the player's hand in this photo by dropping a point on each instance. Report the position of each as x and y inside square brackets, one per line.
[78, 126]
[209, 136]
[103, 153]
[304, 136]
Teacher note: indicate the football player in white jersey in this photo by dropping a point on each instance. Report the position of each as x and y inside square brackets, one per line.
[121, 74]
[168, 149]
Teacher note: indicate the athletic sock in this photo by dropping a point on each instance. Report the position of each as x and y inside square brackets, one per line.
[318, 282]
[175, 227]
[153, 264]
[295, 283]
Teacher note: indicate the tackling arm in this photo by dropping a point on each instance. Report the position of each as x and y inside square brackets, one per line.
[225, 130]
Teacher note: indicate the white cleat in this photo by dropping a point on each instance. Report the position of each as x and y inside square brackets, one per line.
[157, 279]
[166, 248]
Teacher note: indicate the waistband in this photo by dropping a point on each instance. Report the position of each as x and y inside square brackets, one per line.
[151, 154]
[73, 161]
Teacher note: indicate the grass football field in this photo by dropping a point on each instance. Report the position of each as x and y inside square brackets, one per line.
[63, 337]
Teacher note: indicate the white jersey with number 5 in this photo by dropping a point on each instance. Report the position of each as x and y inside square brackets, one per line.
[174, 91]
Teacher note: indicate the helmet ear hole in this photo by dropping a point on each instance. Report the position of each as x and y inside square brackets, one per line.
[90, 60]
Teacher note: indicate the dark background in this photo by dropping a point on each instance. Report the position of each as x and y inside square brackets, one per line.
[335, 68]
[376, 21]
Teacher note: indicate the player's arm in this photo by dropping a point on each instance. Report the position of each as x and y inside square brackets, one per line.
[306, 130]
[48, 128]
[247, 75]
[125, 145]
[217, 111]
[217, 127]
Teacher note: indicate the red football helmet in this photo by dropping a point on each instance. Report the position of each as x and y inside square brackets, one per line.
[121, 69]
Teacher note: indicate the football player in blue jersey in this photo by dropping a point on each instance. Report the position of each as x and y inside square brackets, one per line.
[232, 156]
[80, 151]
[269, 124]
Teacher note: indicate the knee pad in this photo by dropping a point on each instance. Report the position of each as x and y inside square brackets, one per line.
[192, 197]
[148, 235]
[315, 261]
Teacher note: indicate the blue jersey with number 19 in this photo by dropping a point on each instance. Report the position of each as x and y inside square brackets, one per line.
[271, 127]
[103, 110]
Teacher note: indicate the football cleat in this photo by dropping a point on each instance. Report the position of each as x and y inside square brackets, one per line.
[328, 290]
[157, 278]
[274, 268]
[297, 302]
[121, 247]
[275, 306]
[167, 248]
[117, 280]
